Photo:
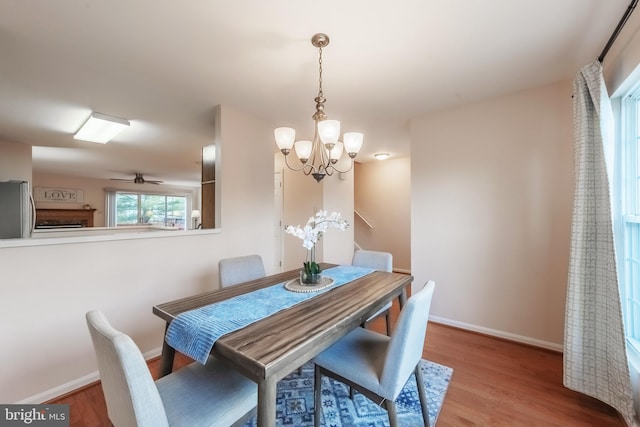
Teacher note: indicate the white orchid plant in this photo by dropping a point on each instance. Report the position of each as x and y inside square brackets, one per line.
[312, 232]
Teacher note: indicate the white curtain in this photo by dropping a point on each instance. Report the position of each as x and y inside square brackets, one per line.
[595, 358]
[110, 208]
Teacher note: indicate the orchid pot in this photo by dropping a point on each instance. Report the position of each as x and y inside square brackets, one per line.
[311, 274]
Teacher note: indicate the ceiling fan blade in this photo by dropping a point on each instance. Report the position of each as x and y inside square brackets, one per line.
[139, 179]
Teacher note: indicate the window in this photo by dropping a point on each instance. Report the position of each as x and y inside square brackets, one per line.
[628, 233]
[131, 208]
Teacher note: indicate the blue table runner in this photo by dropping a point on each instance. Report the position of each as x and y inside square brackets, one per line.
[195, 332]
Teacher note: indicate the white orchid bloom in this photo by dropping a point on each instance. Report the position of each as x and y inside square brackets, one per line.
[310, 233]
[316, 226]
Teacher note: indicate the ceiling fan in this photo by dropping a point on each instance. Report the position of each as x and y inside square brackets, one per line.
[139, 179]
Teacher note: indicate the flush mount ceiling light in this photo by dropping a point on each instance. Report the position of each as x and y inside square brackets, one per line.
[101, 128]
[319, 157]
[381, 156]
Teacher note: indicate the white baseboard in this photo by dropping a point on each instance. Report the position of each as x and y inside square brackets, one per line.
[51, 394]
[499, 334]
[70, 386]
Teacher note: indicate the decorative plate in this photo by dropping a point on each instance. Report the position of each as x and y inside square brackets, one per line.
[294, 285]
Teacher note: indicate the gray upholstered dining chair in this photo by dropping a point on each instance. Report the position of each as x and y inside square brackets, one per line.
[232, 271]
[379, 366]
[382, 261]
[213, 394]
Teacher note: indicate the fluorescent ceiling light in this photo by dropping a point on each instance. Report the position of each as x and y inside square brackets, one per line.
[101, 128]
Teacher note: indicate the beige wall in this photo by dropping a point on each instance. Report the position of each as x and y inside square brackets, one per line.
[93, 191]
[302, 197]
[624, 56]
[15, 161]
[492, 190]
[338, 197]
[46, 290]
[383, 197]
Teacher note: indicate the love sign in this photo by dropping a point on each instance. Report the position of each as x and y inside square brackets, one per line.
[72, 195]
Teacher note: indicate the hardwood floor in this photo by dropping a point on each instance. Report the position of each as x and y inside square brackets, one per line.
[502, 383]
[495, 383]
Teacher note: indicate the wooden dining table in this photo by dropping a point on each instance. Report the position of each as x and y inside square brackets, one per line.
[269, 349]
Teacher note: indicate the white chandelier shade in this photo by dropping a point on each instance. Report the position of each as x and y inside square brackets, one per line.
[353, 143]
[336, 152]
[329, 131]
[303, 150]
[285, 137]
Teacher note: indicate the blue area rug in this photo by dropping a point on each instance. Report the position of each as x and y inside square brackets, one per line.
[295, 401]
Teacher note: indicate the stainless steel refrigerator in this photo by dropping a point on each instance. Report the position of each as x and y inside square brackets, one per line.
[17, 211]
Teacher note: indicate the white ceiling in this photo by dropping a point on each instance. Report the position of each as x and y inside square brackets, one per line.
[165, 64]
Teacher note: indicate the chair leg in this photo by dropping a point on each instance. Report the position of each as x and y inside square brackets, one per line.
[390, 405]
[317, 400]
[387, 317]
[351, 393]
[422, 394]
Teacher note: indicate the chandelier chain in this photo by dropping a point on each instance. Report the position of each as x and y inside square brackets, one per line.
[320, 99]
[320, 94]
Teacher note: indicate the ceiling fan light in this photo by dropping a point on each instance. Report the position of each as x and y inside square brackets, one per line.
[353, 142]
[285, 137]
[329, 131]
[101, 128]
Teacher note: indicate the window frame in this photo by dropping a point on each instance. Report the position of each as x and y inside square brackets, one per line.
[628, 197]
[111, 205]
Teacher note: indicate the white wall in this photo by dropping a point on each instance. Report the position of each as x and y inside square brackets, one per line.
[492, 191]
[46, 290]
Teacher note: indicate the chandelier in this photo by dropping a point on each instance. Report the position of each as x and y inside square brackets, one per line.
[319, 157]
